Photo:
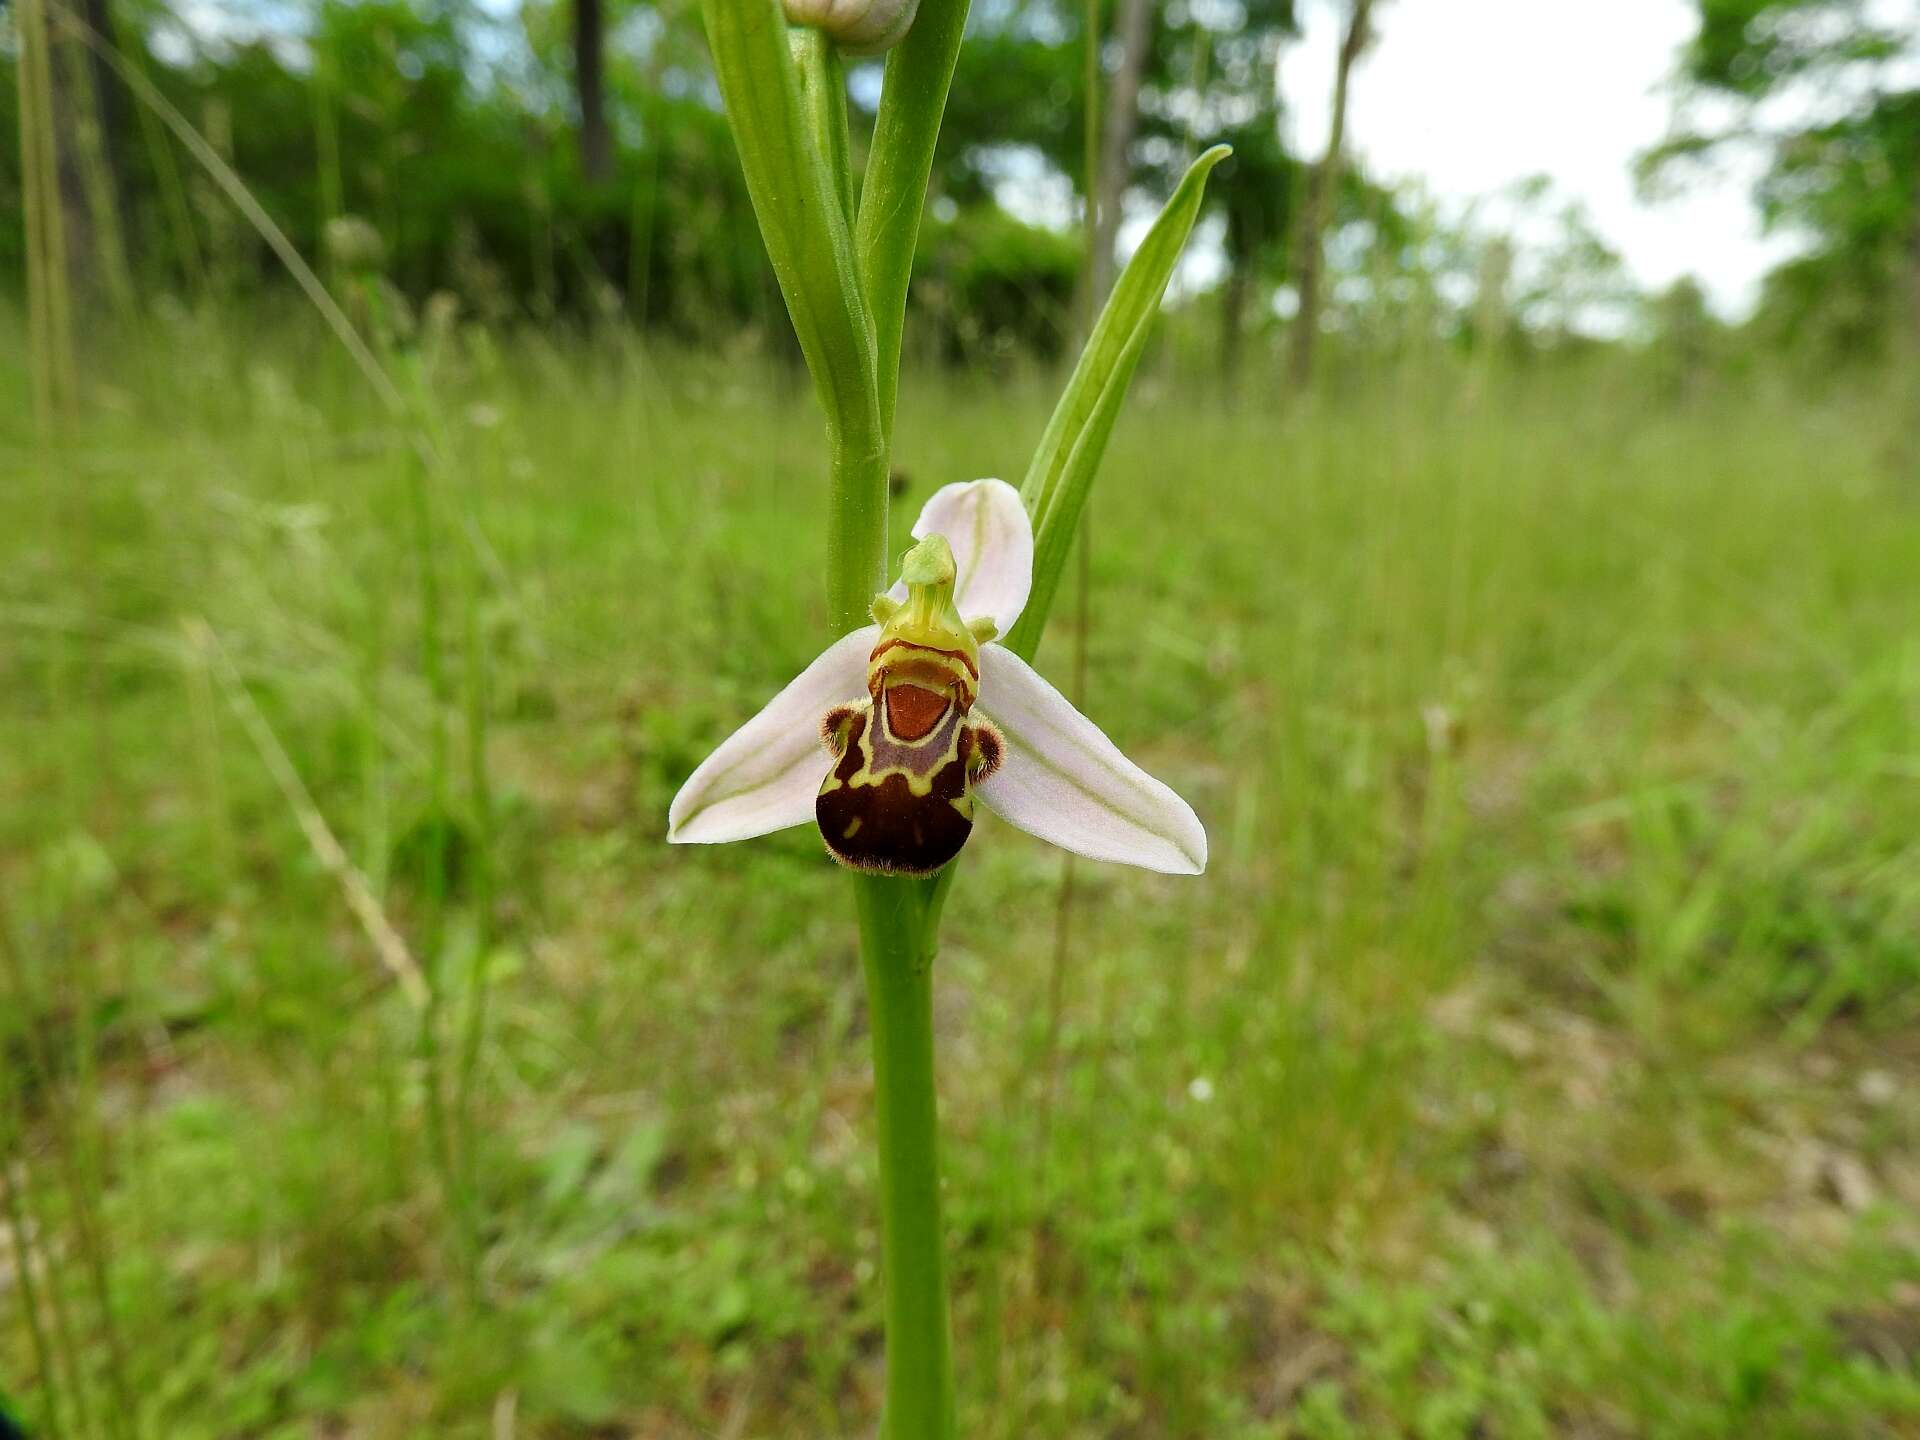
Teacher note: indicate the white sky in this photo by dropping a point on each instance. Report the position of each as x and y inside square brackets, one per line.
[1468, 96]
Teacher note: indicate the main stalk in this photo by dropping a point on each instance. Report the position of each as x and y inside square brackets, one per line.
[899, 963]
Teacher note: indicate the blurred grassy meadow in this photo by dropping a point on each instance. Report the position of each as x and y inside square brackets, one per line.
[1537, 1056]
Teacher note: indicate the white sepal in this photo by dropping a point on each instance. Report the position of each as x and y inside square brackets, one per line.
[765, 776]
[1063, 780]
[992, 541]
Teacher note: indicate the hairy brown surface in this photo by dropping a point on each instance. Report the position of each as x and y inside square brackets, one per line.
[886, 827]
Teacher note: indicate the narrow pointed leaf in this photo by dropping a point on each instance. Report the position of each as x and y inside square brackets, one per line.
[913, 98]
[1076, 437]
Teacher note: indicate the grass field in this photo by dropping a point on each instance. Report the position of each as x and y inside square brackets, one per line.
[1537, 1057]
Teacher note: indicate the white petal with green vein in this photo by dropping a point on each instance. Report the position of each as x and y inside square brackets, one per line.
[992, 540]
[765, 775]
[1066, 782]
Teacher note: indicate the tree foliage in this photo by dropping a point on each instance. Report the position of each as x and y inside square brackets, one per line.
[1823, 88]
[450, 131]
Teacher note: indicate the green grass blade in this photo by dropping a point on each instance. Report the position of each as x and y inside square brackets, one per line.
[1076, 436]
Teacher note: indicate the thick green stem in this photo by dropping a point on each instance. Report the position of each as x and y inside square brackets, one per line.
[898, 953]
[815, 222]
[856, 523]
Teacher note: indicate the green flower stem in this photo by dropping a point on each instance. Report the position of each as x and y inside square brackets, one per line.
[786, 100]
[896, 949]
[844, 272]
[856, 528]
[896, 943]
[896, 937]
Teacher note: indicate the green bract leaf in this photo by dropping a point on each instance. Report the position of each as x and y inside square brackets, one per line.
[912, 101]
[1076, 437]
[797, 200]
[796, 174]
[823, 99]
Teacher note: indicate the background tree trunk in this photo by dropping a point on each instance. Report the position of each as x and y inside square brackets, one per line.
[80, 107]
[1319, 207]
[589, 78]
[1233, 322]
[110, 102]
[67, 104]
[1913, 284]
[1134, 31]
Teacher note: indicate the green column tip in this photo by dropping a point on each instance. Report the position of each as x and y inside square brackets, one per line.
[929, 563]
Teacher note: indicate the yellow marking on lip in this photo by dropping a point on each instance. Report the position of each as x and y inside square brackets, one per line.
[941, 670]
[896, 643]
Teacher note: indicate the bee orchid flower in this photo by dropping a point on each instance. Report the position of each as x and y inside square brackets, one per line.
[886, 740]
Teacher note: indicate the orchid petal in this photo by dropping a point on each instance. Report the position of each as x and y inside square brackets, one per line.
[765, 776]
[987, 526]
[1065, 781]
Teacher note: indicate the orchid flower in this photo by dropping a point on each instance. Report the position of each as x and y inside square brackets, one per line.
[920, 713]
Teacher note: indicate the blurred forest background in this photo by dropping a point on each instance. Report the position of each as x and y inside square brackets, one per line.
[409, 477]
[568, 162]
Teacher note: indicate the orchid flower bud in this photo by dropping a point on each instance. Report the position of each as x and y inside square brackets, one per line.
[859, 27]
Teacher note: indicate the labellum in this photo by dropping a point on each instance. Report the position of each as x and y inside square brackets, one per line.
[899, 799]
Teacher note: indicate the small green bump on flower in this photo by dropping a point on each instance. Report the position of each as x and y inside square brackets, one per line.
[883, 609]
[929, 563]
[983, 628]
